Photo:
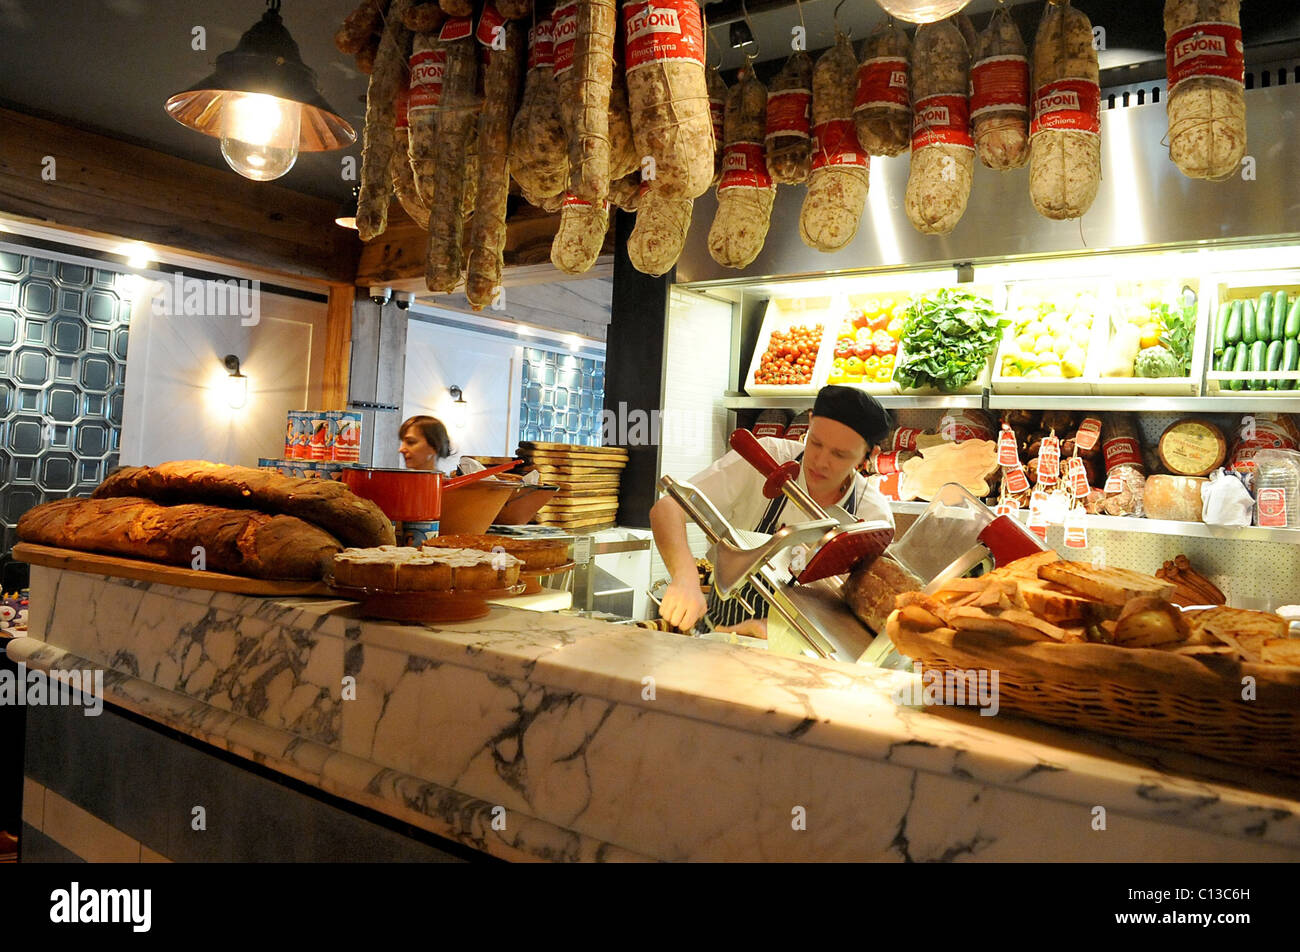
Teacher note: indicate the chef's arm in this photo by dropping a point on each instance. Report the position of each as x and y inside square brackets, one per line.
[683, 603]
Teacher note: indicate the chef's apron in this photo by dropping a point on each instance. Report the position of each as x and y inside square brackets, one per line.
[732, 611]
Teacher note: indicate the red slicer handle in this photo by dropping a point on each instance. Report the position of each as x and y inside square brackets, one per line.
[751, 451]
[1008, 540]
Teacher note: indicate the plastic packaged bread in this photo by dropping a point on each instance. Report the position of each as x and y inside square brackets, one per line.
[237, 541]
[745, 192]
[837, 188]
[1206, 70]
[882, 107]
[324, 502]
[943, 152]
[1065, 131]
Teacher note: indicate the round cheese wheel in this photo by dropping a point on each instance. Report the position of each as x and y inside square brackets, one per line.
[1192, 447]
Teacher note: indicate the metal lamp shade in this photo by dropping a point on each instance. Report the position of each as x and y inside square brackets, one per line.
[266, 60]
[922, 11]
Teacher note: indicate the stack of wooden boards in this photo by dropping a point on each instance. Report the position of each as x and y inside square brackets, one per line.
[588, 477]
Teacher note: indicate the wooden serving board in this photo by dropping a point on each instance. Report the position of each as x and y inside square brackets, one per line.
[95, 564]
[570, 448]
[591, 459]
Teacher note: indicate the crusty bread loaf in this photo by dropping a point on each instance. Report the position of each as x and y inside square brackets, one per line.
[237, 541]
[871, 591]
[323, 502]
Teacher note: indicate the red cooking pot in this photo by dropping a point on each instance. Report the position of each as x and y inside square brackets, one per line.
[410, 495]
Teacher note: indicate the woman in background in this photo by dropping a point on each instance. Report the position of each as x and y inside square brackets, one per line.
[424, 443]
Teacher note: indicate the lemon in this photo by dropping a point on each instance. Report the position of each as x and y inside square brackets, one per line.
[1035, 372]
[1062, 346]
[1044, 344]
[1080, 335]
[1073, 362]
[1025, 342]
[1051, 370]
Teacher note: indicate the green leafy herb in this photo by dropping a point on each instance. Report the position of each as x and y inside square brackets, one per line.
[1179, 322]
[948, 336]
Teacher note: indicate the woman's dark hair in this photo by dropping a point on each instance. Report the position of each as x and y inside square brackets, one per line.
[433, 431]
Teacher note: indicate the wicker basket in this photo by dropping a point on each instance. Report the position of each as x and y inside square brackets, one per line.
[1185, 702]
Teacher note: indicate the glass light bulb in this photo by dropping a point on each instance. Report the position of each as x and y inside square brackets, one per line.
[236, 391]
[259, 135]
[922, 11]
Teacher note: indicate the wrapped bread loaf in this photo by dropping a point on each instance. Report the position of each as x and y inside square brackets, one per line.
[999, 107]
[943, 152]
[580, 236]
[592, 76]
[427, 63]
[424, 17]
[746, 191]
[485, 261]
[457, 108]
[668, 95]
[717, 115]
[237, 541]
[788, 131]
[659, 234]
[837, 187]
[882, 105]
[539, 147]
[1065, 132]
[1206, 68]
[380, 138]
[359, 26]
[324, 502]
[403, 174]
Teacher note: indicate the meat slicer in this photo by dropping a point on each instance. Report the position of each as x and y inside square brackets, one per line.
[800, 569]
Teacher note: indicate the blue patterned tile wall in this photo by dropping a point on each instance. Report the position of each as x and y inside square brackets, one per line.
[63, 336]
[563, 396]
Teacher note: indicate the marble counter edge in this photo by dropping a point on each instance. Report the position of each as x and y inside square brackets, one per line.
[371, 785]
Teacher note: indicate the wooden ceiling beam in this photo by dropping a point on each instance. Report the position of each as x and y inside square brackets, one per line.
[105, 187]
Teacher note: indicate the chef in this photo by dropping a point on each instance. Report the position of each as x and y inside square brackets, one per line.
[845, 424]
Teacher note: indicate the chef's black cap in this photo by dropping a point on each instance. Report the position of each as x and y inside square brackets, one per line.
[859, 411]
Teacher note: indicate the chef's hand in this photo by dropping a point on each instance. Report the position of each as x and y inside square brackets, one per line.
[683, 603]
[751, 628]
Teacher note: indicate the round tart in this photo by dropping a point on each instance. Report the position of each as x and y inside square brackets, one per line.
[392, 568]
[535, 553]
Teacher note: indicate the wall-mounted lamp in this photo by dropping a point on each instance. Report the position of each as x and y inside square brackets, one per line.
[459, 407]
[263, 103]
[236, 383]
[347, 216]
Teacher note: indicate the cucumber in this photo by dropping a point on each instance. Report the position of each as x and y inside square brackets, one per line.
[1224, 361]
[1290, 360]
[1263, 315]
[1233, 332]
[1277, 327]
[1258, 362]
[1274, 360]
[1292, 328]
[1239, 361]
[1248, 335]
[1221, 327]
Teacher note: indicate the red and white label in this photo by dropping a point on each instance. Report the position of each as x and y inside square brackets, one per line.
[882, 84]
[1067, 104]
[1006, 506]
[905, 438]
[789, 113]
[743, 166]
[1038, 513]
[427, 68]
[400, 107]
[1076, 529]
[457, 28]
[1077, 474]
[941, 120]
[541, 45]
[999, 84]
[564, 36]
[1008, 449]
[1089, 433]
[887, 463]
[491, 27]
[796, 431]
[1205, 50]
[1121, 450]
[1271, 504]
[666, 30]
[889, 486]
[1049, 462]
[835, 145]
[769, 429]
[1015, 479]
[1114, 484]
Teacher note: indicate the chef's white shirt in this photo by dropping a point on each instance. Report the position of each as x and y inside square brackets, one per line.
[736, 488]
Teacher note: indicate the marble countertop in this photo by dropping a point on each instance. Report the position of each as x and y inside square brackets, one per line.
[604, 730]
